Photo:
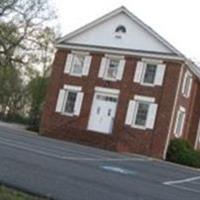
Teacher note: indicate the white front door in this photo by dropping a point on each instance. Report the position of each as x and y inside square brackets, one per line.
[102, 113]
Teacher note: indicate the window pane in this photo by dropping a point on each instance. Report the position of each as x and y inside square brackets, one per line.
[78, 63]
[112, 69]
[141, 115]
[150, 74]
[70, 102]
[180, 123]
[187, 85]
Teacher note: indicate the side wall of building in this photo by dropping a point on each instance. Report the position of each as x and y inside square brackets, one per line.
[192, 110]
[123, 138]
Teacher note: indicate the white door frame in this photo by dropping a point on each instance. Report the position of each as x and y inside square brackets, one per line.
[103, 93]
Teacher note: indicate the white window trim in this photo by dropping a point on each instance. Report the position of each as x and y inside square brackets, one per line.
[69, 63]
[143, 66]
[105, 77]
[186, 94]
[72, 87]
[84, 53]
[109, 57]
[143, 74]
[138, 99]
[72, 64]
[133, 125]
[183, 110]
[107, 90]
[64, 103]
[197, 140]
[67, 89]
[113, 56]
[144, 98]
[152, 61]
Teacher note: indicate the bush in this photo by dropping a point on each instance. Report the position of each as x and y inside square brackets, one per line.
[181, 151]
[14, 118]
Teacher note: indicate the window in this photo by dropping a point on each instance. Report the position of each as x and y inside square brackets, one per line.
[141, 112]
[119, 31]
[149, 73]
[112, 68]
[180, 118]
[69, 100]
[187, 84]
[77, 64]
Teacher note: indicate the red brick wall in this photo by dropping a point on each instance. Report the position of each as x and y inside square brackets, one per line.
[124, 138]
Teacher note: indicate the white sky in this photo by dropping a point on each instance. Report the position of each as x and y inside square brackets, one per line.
[178, 21]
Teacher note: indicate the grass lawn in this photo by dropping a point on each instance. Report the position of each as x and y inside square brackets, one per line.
[10, 194]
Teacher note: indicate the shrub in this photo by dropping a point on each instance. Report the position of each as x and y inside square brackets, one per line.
[181, 151]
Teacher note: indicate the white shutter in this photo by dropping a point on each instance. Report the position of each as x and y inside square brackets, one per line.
[78, 103]
[121, 69]
[130, 112]
[138, 72]
[68, 63]
[160, 72]
[102, 67]
[60, 100]
[151, 117]
[87, 63]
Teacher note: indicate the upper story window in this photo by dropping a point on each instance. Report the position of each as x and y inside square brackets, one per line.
[77, 64]
[141, 112]
[179, 124]
[112, 68]
[187, 84]
[149, 72]
[69, 100]
[120, 29]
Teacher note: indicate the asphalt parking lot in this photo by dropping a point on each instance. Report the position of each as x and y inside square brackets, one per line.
[63, 170]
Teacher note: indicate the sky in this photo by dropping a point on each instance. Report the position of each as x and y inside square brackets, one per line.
[178, 21]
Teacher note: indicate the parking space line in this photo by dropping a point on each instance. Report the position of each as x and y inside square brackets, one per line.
[185, 188]
[181, 181]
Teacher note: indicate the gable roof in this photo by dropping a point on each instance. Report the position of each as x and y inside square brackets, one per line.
[150, 31]
[65, 41]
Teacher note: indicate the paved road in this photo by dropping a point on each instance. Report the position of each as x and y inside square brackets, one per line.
[65, 171]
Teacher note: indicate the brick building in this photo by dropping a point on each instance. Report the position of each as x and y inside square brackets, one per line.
[117, 84]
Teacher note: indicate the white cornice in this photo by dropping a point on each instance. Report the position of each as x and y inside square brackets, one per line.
[120, 52]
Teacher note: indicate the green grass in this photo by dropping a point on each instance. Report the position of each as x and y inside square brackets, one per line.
[10, 194]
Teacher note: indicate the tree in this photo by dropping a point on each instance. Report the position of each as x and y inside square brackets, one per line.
[37, 88]
[26, 42]
[19, 21]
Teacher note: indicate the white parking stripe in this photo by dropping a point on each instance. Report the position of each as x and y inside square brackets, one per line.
[181, 181]
[185, 188]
